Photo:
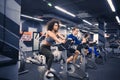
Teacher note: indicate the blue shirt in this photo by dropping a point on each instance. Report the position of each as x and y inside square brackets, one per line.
[74, 38]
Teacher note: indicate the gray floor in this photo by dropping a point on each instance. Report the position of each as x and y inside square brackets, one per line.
[108, 71]
[9, 72]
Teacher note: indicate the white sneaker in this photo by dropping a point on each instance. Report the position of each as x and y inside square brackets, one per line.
[49, 74]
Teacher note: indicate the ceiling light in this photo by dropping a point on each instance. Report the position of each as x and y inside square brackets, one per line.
[111, 5]
[65, 11]
[84, 31]
[26, 16]
[118, 19]
[87, 22]
[62, 25]
[91, 33]
[49, 4]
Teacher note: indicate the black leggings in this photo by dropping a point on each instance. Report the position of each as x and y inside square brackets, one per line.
[45, 50]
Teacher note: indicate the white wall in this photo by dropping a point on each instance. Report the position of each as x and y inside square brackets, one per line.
[95, 37]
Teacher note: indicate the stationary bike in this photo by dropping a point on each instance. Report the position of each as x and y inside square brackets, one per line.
[65, 73]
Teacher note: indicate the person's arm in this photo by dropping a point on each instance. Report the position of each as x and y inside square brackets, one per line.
[63, 38]
[83, 40]
[70, 36]
[91, 42]
[52, 35]
[77, 41]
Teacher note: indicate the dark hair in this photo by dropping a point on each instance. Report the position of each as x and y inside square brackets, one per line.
[86, 34]
[51, 23]
[74, 28]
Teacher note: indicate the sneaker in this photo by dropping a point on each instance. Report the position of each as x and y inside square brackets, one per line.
[87, 75]
[49, 74]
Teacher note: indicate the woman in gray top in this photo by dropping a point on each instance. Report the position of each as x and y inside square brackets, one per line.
[51, 37]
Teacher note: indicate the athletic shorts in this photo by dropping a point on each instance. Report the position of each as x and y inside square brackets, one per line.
[70, 52]
[85, 46]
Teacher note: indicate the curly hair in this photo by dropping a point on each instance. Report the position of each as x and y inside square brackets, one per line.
[86, 34]
[51, 23]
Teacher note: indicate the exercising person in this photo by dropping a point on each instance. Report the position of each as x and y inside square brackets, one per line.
[73, 53]
[51, 37]
[86, 42]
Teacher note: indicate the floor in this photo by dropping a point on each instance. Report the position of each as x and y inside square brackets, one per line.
[109, 71]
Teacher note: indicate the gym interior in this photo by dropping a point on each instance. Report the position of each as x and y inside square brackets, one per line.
[25, 27]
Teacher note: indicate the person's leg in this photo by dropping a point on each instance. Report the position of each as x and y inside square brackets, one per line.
[49, 56]
[85, 46]
[70, 54]
[79, 47]
[50, 60]
[75, 56]
[81, 59]
[69, 59]
[85, 51]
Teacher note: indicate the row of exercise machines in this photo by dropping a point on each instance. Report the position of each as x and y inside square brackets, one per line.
[63, 71]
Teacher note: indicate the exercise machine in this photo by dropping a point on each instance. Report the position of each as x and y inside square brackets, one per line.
[66, 73]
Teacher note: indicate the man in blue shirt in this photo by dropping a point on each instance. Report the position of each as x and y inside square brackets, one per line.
[73, 53]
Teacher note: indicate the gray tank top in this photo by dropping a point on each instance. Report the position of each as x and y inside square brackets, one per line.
[50, 40]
